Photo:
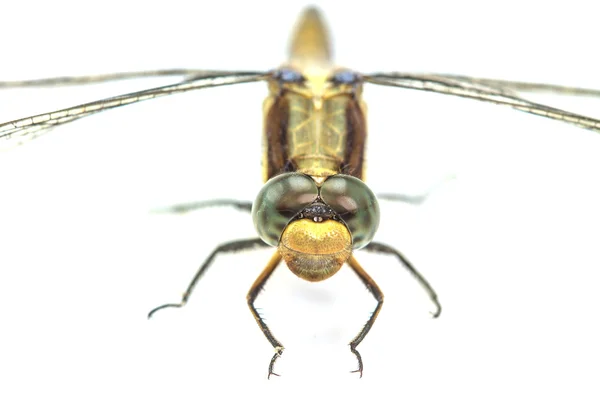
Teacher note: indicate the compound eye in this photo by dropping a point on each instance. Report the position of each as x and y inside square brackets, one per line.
[288, 75]
[356, 204]
[282, 197]
[345, 76]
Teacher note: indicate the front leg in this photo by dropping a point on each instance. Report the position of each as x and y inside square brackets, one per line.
[251, 297]
[378, 294]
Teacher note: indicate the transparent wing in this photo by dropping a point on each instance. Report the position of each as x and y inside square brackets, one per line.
[530, 87]
[498, 92]
[184, 74]
[14, 132]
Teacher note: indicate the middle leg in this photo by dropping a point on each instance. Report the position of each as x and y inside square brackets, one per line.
[238, 245]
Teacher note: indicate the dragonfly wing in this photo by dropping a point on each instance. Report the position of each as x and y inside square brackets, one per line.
[482, 91]
[183, 74]
[14, 132]
[526, 87]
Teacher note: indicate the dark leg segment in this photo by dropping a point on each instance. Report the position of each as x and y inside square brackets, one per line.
[385, 249]
[231, 247]
[257, 286]
[376, 292]
[187, 207]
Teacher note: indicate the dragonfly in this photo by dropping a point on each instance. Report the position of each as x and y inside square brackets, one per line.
[315, 207]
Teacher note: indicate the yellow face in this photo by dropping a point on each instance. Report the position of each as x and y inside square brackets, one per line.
[315, 250]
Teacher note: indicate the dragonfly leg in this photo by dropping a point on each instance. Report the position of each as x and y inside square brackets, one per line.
[385, 249]
[416, 199]
[376, 292]
[404, 198]
[187, 207]
[230, 247]
[251, 297]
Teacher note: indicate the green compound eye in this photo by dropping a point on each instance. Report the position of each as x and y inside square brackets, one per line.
[356, 204]
[282, 197]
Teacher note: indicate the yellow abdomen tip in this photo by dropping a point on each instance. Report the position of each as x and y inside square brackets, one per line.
[310, 43]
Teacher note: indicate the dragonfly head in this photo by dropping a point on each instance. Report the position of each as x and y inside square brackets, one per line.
[315, 226]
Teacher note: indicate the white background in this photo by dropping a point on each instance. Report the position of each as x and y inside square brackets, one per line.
[510, 244]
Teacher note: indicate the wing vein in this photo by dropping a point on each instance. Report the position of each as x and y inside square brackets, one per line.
[479, 91]
[13, 132]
